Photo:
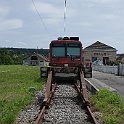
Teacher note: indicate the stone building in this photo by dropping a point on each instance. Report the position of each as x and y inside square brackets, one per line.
[35, 59]
[99, 52]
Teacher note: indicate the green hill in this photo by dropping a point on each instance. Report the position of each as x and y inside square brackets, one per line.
[17, 55]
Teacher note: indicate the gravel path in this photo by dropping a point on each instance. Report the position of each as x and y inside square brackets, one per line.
[66, 107]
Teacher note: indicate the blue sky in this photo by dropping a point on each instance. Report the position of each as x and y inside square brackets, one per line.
[91, 20]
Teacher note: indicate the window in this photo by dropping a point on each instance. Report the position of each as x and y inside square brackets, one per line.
[66, 50]
[58, 51]
[73, 51]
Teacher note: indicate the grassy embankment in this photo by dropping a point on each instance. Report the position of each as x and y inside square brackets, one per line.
[15, 81]
[110, 105]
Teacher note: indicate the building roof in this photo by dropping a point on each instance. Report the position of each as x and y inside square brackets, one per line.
[100, 46]
[39, 57]
[42, 57]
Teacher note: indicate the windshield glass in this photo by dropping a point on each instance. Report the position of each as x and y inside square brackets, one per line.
[58, 51]
[73, 51]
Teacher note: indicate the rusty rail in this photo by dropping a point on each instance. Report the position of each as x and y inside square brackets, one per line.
[84, 90]
[50, 89]
[48, 85]
[84, 97]
[41, 116]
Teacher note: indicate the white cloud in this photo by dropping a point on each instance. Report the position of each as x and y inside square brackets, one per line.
[22, 43]
[51, 11]
[103, 1]
[3, 12]
[10, 24]
[109, 16]
[86, 24]
[8, 41]
[51, 21]
[52, 14]
[13, 43]
[48, 9]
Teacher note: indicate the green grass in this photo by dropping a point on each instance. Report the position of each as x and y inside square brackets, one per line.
[15, 94]
[110, 105]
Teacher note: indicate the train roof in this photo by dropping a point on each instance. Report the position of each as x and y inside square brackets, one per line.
[67, 40]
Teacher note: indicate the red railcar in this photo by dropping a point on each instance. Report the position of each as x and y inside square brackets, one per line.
[66, 57]
[66, 52]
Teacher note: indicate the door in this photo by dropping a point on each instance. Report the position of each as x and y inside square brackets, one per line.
[105, 60]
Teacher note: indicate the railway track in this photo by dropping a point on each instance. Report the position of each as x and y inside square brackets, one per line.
[65, 103]
[66, 107]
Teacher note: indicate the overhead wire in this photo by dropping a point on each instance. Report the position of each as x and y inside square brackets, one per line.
[40, 16]
[42, 21]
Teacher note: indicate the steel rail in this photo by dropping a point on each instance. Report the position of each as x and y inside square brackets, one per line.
[40, 118]
[84, 96]
[50, 89]
[84, 90]
[87, 105]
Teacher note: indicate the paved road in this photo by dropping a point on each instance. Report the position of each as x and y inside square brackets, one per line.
[116, 82]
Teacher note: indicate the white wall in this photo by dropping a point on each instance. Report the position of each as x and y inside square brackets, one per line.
[121, 69]
[118, 70]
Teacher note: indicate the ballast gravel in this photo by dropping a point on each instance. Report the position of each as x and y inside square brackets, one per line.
[65, 108]
[30, 115]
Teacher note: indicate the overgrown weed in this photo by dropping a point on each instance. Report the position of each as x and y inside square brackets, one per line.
[110, 105]
[15, 81]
